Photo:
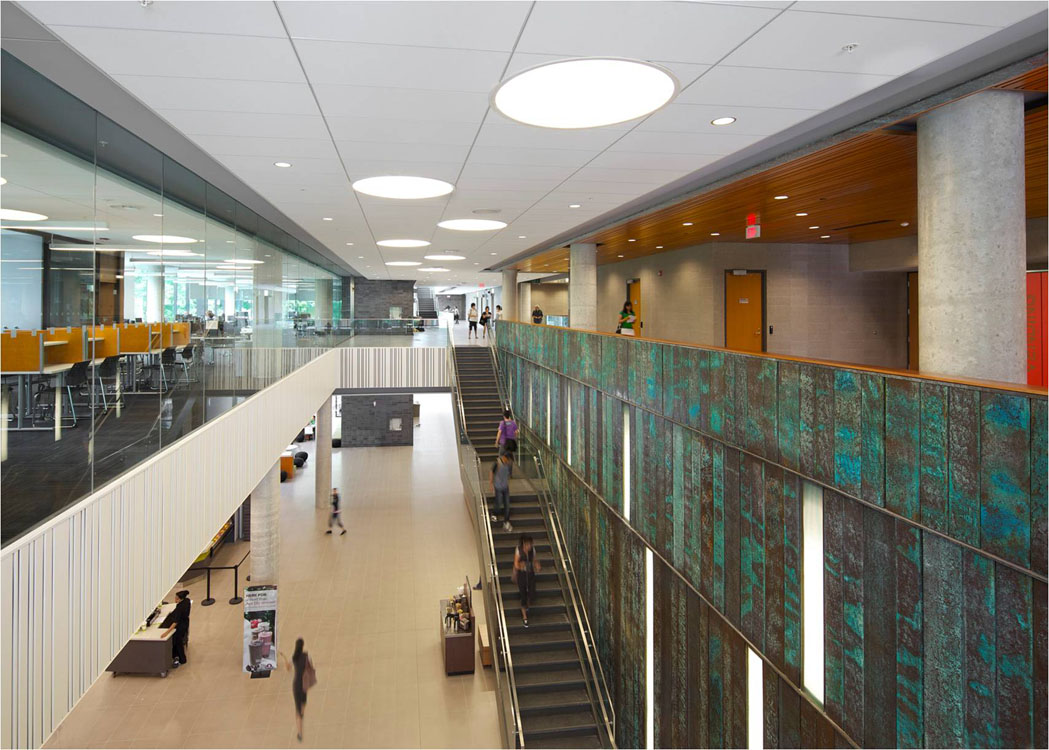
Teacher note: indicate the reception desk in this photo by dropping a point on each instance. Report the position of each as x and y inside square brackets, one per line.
[148, 651]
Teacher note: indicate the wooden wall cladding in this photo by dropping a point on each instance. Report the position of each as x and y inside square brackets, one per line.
[934, 540]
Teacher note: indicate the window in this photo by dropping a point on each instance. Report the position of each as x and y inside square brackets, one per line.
[812, 589]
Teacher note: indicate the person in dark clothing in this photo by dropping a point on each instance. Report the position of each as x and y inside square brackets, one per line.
[537, 315]
[502, 470]
[526, 565]
[300, 660]
[178, 621]
[336, 513]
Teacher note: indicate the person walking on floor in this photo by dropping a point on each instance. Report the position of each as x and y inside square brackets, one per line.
[304, 678]
[526, 565]
[471, 317]
[627, 319]
[502, 470]
[336, 513]
[455, 314]
[178, 621]
[507, 431]
[486, 320]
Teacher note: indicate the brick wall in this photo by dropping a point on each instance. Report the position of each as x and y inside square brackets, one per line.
[366, 420]
[373, 298]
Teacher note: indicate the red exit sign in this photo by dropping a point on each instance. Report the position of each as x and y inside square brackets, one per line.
[753, 226]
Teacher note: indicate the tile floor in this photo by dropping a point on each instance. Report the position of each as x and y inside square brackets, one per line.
[366, 604]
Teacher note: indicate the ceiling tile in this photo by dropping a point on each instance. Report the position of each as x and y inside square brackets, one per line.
[384, 65]
[406, 151]
[360, 168]
[548, 174]
[548, 157]
[997, 13]
[768, 87]
[274, 149]
[164, 53]
[200, 122]
[685, 143]
[402, 131]
[887, 46]
[213, 17]
[460, 25]
[681, 32]
[402, 104]
[221, 95]
[696, 118]
[616, 159]
[499, 132]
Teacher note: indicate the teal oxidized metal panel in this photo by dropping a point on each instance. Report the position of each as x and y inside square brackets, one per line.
[902, 420]
[774, 565]
[1013, 608]
[981, 659]
[963, 470]
[679, 383]
[1039, 473]
[692, 521]
[787, 418]
[944, 659]
[718, 526]
[752, 550]
[833, 605]
[852, 584]
[1005, 475]
[848, 441]
[631, 717]
[910, 728]
[680, 457]
[933, 481]
[792, 577]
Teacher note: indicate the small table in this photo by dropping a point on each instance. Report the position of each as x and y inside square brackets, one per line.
[458, 647]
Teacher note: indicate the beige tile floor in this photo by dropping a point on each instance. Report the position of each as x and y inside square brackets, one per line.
[366, 604]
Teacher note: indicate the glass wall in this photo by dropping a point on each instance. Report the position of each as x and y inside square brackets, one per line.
[138, 300]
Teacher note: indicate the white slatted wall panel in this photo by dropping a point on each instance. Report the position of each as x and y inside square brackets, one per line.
[394, 367]
[75, 588]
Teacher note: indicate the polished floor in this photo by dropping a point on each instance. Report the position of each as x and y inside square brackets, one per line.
[366, 604]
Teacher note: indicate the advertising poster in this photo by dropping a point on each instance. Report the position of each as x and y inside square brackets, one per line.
[260, 630]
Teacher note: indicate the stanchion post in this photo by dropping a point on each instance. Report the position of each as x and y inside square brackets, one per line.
[208, 601]
[236, 599]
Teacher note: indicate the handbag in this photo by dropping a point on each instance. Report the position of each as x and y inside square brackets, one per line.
[309, 675]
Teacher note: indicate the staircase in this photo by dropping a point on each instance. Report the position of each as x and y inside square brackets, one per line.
[427, 303]
[552, 690]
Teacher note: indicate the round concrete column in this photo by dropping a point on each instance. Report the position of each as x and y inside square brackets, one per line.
[524, 303]
[582, 287]
[510, 294]
[265, 528]
[972, 238]
[322, 459]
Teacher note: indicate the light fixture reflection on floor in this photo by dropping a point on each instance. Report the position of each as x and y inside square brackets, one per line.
[403, 187]
[168, 239]
[403, 243]
[584, 92]
[471, 225]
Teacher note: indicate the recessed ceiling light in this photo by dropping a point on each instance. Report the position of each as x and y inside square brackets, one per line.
[328, 218]
[780, 197]
[403, 187]
[522, 237]
[723, 121]
[801, 213]
[905, 223]
[403, 243]
[432, 269]
[360, 257]
[158, 215]
[715, 234]
[584, 93]
[619, 256]
[402, 263]
[445, 257]
[824, 236]
[281, 164]
[169, 239]
[12, 215]
[243, 261]
[686, 224]
[815, 227]
[659, 247]
[471, 225]
[574, 205]
[229, 242]
[349, 244]
[631, 240]
[173, 253]
[491, 253]
[4, 182]
[477, 264]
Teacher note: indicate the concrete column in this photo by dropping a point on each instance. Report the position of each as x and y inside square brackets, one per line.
[265, 528]
[509, 302]
[582, 287]
[322, 459]
[322, 300]
[154, 299]
[972, 238]
[524, 303]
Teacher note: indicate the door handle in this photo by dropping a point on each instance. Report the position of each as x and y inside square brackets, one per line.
[757, 332]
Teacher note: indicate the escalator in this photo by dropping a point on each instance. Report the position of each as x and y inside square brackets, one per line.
[554, 678]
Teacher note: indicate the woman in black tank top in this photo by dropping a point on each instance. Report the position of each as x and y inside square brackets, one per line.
[526, 565]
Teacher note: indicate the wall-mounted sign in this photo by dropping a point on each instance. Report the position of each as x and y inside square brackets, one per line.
[753, 230]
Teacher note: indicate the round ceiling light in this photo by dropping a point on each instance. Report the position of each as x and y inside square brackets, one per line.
[402, 263]
[445, 257]
[434, 270]
[12, 215]
[168, 239]
[3, 181]
[584, 93]
[281, 164]
[723, 121]
[402, 243]
[403, 187]
[472, 225]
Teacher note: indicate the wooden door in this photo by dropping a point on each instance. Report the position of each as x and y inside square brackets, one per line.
[633, 293]
[912, 320]
[745, 311]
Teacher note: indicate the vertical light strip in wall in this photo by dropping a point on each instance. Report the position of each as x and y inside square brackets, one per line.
[626, 463]
[549, 385]
[812, 589]
[568, 426]
[755, 702]
[531, 413]
[650, 703]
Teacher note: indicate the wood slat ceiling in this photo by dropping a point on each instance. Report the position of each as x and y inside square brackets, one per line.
[861, 190]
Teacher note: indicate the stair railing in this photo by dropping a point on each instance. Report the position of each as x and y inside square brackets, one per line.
[453, 380]
[495, 617]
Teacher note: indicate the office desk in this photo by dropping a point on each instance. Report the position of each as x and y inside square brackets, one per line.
[148, 651]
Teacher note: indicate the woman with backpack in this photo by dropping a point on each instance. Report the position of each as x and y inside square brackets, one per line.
[507, 431]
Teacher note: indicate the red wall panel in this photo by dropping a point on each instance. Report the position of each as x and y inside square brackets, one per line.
[1037, 298]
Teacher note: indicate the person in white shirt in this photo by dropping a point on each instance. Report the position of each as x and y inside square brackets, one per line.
[471, 316]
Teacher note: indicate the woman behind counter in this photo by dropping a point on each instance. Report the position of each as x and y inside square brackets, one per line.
[178, 621]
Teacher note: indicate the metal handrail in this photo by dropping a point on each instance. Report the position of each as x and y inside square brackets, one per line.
[488, 542]
[582, 621]
[453, 378]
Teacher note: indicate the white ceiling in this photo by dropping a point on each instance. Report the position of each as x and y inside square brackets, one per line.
[345, 90]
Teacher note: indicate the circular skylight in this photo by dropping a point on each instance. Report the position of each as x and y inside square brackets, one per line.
[445, 257]
[403, 243]
[403, 263]
[403, 187]
[472, 225]
[168, 239]
[12, 215]
[584, 93]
